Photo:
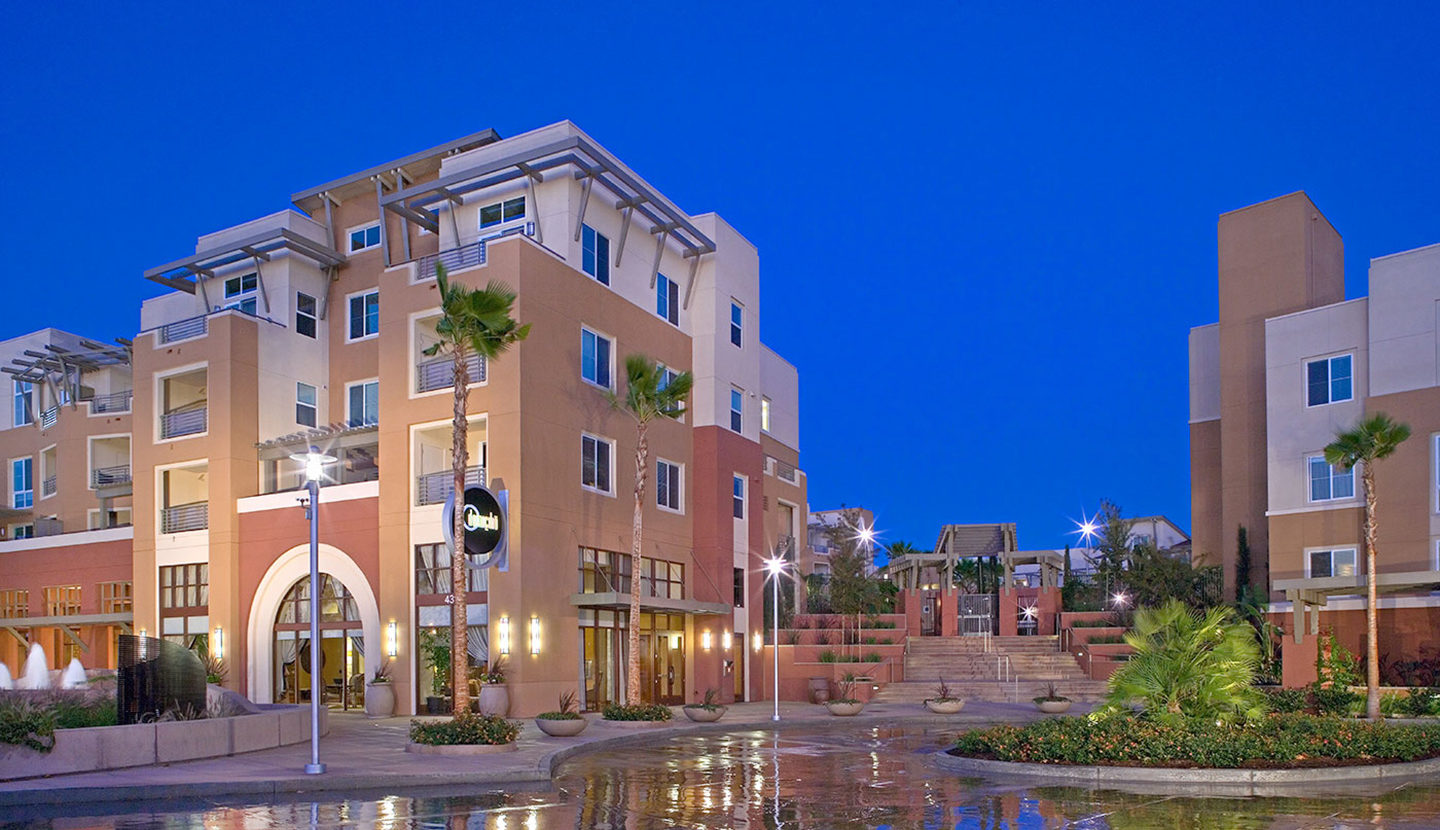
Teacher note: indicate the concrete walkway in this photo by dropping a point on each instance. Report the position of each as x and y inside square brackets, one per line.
[366, 754]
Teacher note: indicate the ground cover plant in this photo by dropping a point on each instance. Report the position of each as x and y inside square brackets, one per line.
[636, 712]
[566, 710]
[465, 729]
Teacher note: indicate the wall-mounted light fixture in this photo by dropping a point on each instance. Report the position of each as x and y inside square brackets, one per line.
[143, 631]
[392, 639]
[758, 640]
[505, 635]
[218, 647]
[705, 639]
[534, 635]
[726, 641]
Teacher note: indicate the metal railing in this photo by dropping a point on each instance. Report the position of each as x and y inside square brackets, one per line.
[464, 256]
[47, 487]
[48, 417]
[437, 373]
[185, 517]
[435, 488]
[188, 422]
[114, 402]
[108, 476]
[785, 471]
[184, 329]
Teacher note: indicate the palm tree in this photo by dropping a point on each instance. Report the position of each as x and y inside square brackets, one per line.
[651, 392]
[1374, 438]
[472, 322]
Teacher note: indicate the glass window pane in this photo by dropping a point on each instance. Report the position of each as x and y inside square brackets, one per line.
[514, 208]
[1318, 382]
[1342, 485]
[1319, 563]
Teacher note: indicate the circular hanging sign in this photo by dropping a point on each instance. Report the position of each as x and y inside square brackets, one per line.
[482, 520]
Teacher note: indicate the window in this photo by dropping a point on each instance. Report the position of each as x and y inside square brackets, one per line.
[102, 519]
[737, 408]
[501, 212]
[364, 315]
[22, 531]
[739, 587]
[432, 571]
[596, 463]
[305, 409]
[667, 485]
[667, 299]
[595, 358]
[365, 237]
[738, 493]
[305, 314]
[737, 323]
[184, 603]
[1328, 380]
[363, 404]
[22, 483]
[117, 597]
[62, 600]
[1328, 483]
[14, 603]
[240, 292]
[595, 254]
[765, 414]
[24, 403]
[1325, 563]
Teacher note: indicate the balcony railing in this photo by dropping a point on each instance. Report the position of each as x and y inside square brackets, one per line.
[436, 373]
[465, 256]
[183, 329]
[47, 487]
[110, 476]
[48, 417]
[185, 517]
[435, 488]
[188, 422]
[114, 402]
[785, 471]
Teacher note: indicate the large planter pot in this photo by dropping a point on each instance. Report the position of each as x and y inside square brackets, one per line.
[379, 700]
[436, 706]
[494, 700]
[819, 689]
[945, 707]
[702, 715]
[1053, 707]
[566, 728]
[844, 709]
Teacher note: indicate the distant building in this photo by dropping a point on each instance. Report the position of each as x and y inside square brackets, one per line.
[821, 528]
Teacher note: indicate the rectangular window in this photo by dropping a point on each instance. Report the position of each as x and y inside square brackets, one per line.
[1328, 380]
[1325, 563]
[364, 315]
[737, 323]
[667, 299]
[738, 493]
[364, 238]
[765, 414]
[1328, 483]
[501, 212]
[184, 586]
[432, 571]
[596, 464]
[22, 483]
[595, 353]
[117, 598]
[363, 406]
[240, 292]
[305, 314]
[22, 531]
[306, 411]
[739, 588]
[667, 485]
[24, 403]
[737, 409]
[14, 603]
[595, 254]
[62, 600]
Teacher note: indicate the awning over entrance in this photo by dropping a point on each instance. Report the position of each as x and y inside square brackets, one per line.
[664, 605]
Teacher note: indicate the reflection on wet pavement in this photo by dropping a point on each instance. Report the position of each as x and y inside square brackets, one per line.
[820, 778]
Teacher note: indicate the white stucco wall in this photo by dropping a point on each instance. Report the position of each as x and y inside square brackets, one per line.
[1404, 313]
[1205, 373]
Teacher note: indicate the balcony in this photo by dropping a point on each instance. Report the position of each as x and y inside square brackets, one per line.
[185, 517]
[115, 402]
[435, 488]
[49, 416]
[436, 373]
[183, 329]
[48, 486]
[187, 422]
[109, 476]
[465, 256]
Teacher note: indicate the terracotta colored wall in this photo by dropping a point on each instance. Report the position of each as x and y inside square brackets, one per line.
[1206, 530]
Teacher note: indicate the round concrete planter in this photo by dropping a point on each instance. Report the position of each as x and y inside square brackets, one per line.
[844, 709]
[1053, 707]
[459, 749]
[494, 700]
[379, 700]
[944, 707]
[702, 715]
[562, 728]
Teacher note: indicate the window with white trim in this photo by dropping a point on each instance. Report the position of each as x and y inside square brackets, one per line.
[501, 212]
[667, 299]
[240, 292]
[596, 356]
[668, 478]
[597, 463]
[22, 483]
[1328, 380]
[737, 494]
[306, 315]
[364, 237]
[306, 409]
[364, 315]
[1327, 482]
[737, 323]
[362, 404]
[764, 414]
[737, 409]
[24, 403]
[1327, 563]
[595, 254]
[22, 531]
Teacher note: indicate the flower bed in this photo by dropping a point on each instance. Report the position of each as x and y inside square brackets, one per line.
[1276, 742]
[464, 730]
[638, 712]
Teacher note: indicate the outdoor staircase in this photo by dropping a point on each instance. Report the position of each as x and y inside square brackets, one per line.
[1015, 669]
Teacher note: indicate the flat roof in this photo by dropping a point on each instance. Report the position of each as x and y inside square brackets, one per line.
[459, 145]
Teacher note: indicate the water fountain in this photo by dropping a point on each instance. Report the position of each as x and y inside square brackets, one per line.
[37, 669]
[6, 681]
[74, 677]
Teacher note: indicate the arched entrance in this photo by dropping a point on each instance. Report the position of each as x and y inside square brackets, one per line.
[342, 646]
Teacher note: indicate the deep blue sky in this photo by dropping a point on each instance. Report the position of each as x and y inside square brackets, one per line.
[984, 232]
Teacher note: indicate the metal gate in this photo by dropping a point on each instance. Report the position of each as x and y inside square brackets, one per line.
[977, 614]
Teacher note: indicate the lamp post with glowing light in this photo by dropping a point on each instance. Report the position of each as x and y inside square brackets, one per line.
[314, 462]
[775, 567]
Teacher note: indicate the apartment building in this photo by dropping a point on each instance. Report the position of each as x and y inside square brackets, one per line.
[1289, 364]
[308, 327]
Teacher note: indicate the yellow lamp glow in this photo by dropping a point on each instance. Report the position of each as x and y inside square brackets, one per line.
[757, 640]
[505, 635]
[705, 639]
[726, 642]
[392, 639]
[534, 635]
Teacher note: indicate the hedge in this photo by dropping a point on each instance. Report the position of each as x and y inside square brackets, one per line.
[639, 711]
[491, 730]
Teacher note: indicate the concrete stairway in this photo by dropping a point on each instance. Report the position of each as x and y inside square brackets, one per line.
[973, 673]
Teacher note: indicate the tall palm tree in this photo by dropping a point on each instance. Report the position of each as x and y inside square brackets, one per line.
[473, 321]
[1374, 438]
[651, 392]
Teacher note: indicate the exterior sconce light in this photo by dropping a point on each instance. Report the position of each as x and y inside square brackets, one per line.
[726, 642]
[705, 640]
[219, 649]
[534, 635]
[505, 635]
[758, 641]
[143, 631]
[392, 639]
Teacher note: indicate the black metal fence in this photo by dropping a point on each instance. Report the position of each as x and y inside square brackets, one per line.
[155, 677]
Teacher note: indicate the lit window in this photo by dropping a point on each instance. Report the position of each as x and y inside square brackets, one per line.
[1326, 563]
[305, 314]
[595, 463]
[240, 292]
[364, 315]
[501, 212]
[364, 238]
[24, 401]
[765, 414]
[595, 254]
[738, 497]
[1328, 380]
[306, 411]
[22, 483]
[737, 408]
[667, 484]
[667, 299]
[737, 323]
[1327, 482]
[595, 350]
[363, 406]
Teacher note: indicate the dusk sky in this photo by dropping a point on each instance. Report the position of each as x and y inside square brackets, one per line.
[984, 231]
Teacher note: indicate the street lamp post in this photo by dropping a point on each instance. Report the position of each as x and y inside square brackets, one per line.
[314, 462]
[775, 566]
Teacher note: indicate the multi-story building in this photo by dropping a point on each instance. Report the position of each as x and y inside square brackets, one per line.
[820, 536]
[1290, 364]
[310, 327]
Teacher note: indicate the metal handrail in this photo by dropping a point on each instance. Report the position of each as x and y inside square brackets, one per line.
[185, 517]
[438, 373]
[468, 255]
[188, 422]
[184, 329]
[107, 476]
[435, 488]
[114, 402]
[48, 417]
[47, 487]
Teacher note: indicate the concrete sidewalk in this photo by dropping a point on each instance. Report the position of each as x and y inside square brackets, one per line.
[366, 754]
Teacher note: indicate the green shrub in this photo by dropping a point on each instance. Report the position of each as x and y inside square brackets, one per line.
[872, 657]
[638, 711]
[566, 710]
[1278, 739]
[77, 715]
[22, 724]
[1422, 702]
[465, 729]
[829, 656]
[1332, 700]
[1289, 700]
[1106, 639]
[1101, 623]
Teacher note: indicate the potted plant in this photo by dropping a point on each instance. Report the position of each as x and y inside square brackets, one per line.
[845, 704]
[1052, 702]
[435, 649]
[944, 703]
[494, 696]
[708, 710]
[565, 722]
[379, 694]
